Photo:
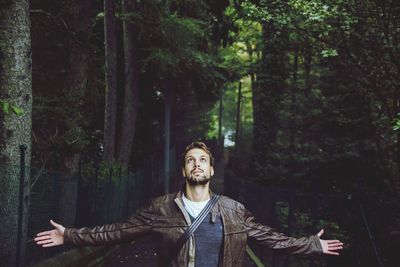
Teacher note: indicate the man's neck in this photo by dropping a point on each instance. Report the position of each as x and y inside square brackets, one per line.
[197, 192]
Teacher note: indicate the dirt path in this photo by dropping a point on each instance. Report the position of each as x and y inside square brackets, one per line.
[140, 253]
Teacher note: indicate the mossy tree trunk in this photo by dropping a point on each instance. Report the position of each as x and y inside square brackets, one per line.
[15, 130]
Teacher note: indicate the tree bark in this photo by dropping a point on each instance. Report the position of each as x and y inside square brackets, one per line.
[293, 128]
[237, 134]
[220, 122]
[131, 89]
[167, 138]
[16, 89]
[77, 17]
[110, 116]
[307, 68]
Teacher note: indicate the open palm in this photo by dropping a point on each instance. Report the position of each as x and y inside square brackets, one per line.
[51, 238]
[330, 247]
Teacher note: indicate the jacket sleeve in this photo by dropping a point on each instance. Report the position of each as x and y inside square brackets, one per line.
[137, 225]
[269, 237]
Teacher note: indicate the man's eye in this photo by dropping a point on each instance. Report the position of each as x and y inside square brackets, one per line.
[203, 160]
[189, 160]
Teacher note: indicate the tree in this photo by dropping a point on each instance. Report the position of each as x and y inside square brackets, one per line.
[77, 15]
[131, 87]
[15, 89]
[110, 118]
[268, 92]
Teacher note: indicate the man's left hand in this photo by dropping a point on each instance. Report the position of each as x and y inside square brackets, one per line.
[330, 246]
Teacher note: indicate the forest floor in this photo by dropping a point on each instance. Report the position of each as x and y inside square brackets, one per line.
[139, 253]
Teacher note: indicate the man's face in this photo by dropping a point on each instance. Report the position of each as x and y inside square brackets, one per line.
[197, 169]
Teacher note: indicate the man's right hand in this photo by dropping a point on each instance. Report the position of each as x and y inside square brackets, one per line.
[51, 238]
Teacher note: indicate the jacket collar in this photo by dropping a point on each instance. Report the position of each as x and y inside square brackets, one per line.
[178, 200]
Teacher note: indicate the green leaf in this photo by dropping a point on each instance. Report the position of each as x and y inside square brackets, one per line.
[330, 52]
[100, 15]
[18, 111]
[6, 107]
[396, 123]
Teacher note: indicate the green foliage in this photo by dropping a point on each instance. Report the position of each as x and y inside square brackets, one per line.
[230, 98]
[329, 53]
[76, 138]
[113, 171]
[6, 108]
[179, 53]
[68, 130]
[396, 126]
[105, 172]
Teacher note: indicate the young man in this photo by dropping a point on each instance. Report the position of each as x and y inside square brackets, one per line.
[220, 239]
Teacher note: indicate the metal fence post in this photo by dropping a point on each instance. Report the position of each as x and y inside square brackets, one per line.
[370, 236]
[22, 149]
[96, 177]
[119, 193]
[127, 188]
[109, 198]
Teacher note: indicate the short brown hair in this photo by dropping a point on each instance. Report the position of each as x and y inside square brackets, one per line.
[200, 145]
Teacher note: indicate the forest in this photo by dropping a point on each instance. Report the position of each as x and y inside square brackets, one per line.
[298, 99]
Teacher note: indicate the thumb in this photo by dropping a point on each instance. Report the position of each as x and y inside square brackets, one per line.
[320, 233]
[57, 226]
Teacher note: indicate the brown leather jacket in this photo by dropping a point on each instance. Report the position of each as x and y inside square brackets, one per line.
[167, 219]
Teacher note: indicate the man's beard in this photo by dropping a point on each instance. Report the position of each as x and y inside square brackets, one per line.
[202, 180]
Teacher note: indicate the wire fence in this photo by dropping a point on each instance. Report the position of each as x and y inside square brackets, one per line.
[95, 195]
[361, 220]
[9, 213]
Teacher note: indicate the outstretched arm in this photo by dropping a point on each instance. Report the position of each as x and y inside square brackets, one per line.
[269, 237]
[330, 247]
[51, 238]
[129, 229]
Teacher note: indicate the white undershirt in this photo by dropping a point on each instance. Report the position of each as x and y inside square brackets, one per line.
[192, 207]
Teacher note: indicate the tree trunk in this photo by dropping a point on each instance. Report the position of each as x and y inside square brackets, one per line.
[77, 15]
[167, 138]
[15, 89]
[220, 122]
[131, 90]
[110, 116]
[267, 94]
[292, 149]
[237, 136]
[307, 68]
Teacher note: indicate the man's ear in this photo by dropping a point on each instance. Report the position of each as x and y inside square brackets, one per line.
[183, 172]
[212, 170]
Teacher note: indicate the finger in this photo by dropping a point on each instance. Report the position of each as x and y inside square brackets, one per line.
[332, 241]
[44, 233]
[331, 253]
[335, 248]
[335, 244]
[48, 241]
[56, 225]
[49, 245]
[320, 233]
[42, 238]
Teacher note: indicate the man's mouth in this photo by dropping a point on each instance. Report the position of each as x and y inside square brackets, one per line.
[197, 171]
